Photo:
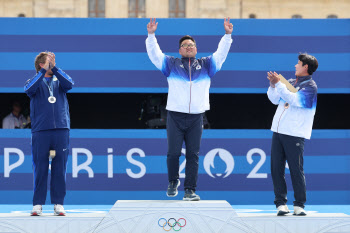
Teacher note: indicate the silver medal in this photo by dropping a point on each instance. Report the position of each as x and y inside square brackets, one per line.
[52, 99]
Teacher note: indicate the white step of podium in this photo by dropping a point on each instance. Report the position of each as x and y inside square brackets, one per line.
[48, 223]
[194, 217]
[163, 216]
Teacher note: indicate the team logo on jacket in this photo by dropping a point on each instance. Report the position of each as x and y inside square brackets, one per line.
[224, 155]
[182, 66]
[198, 67]
[54, 79]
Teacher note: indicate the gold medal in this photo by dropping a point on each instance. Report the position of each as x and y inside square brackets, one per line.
[286, 105]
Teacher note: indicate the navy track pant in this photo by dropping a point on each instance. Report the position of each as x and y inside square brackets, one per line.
[42, 143]
[288, 148]
[184, 127]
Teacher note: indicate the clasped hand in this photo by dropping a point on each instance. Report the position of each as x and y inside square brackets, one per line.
[273, 77]
[50, 61]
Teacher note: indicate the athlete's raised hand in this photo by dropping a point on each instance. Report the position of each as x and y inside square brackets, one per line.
[152, 26]
[228, 26]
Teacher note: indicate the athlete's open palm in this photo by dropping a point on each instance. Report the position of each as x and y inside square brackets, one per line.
[152, 26]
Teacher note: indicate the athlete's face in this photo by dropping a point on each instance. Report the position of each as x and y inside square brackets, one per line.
[301, 70]
[188, 49]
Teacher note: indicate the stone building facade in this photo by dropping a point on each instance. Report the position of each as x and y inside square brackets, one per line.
[268, 9]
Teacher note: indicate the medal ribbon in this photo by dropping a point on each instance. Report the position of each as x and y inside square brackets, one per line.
[50, 87]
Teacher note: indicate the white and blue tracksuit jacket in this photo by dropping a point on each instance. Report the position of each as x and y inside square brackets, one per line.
[188, 79]
[44, 115]
[297, 120]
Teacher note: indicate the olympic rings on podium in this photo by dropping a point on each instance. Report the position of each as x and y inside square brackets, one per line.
[171, 223]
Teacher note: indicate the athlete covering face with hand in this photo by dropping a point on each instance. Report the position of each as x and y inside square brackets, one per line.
[49, 114]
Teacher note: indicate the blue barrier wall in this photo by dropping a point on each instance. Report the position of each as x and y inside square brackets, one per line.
[109, 55]
[131, 164]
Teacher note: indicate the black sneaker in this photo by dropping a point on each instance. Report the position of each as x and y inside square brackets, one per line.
[190, 195]
[172, 188]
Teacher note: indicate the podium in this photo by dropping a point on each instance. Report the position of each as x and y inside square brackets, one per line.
[163, 216]
[172, 216]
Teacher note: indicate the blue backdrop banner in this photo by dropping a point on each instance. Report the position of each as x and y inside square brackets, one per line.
[105, 56]
[109, 165]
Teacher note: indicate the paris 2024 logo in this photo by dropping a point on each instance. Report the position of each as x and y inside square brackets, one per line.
[224, 156]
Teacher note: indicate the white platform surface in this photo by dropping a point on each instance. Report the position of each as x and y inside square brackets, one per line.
[201, 217]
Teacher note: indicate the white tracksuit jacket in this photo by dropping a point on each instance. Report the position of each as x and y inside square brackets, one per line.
[297, 120]
[188, 88]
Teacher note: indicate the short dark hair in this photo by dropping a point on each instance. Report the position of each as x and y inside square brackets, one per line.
[309, 60]
[187, 37]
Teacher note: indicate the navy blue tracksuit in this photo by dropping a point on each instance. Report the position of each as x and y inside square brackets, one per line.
[42, 143]
[184, 127]
[50, 131]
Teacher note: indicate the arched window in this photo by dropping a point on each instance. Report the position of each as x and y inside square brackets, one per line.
[297, 16]
[252, 16]
[97, 8]
[177, 8]
[332, 16]
[137, 9]
[21, 15]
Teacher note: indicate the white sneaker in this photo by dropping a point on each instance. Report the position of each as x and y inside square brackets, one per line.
[37, 210]
[299, 211]
[59, 210]
[282, 210]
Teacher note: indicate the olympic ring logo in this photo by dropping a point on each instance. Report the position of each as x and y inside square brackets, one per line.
[171, 223]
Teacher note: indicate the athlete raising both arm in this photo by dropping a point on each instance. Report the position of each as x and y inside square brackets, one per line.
[188, 98]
